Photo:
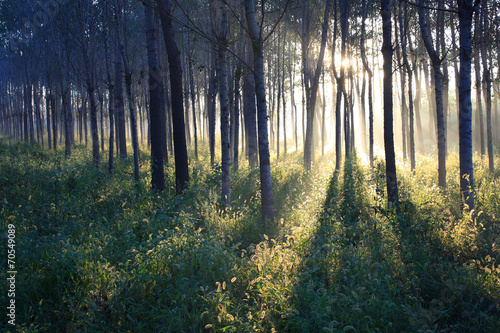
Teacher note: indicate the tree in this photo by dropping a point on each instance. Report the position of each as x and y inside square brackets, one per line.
[487, 80]
[370, 82]
[266, 187]
[390, 158]
[223, 98]
[250, 112]
[438, 93]
[311, 80]
[156, 107]
[465, 12]
[407, 68]
[175, 68]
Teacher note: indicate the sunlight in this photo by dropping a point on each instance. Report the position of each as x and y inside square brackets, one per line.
[346, 62]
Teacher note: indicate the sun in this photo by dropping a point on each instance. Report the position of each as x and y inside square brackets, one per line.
[346, 62]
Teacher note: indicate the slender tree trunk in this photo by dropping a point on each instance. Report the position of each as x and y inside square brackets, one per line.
[479, 104]
[224, 108]
[418, 119]
[236, 122]
[193, 102]
[260, 89]
[370, 83]
[48, 115]
[402, 75]
[323, 116]
[93, 125]
[156, 106]
[38, 117]
[211, 107]
[133, 116]
[66, 101]
[312, 83]
[175, 67]
[291, 69]
[487, 80]
[250, 119]
[120, 106]
[278, 77]
[283, 95]
[111, 158]
[465, 11]
[54, 120]
[407, 66]
[438, 93]
[390, 158]
[101, 123]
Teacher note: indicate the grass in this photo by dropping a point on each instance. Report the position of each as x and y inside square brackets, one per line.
[99, 253]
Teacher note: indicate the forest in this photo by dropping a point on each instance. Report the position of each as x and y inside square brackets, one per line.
[250, 165]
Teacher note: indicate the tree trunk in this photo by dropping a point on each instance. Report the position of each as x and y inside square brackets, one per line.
[390, 158]
[175, 67]
[479, 128]
[236, 114]
[211, 106]
[260, 90]
[250, 119]
[120, 106]
[48, 115]
[54, 120]
[133, 116]
[487, 81]
[66, 101]
[156, 107]
[312, 81]
[224, 108]
[93, 125]
[438, 93]
[193, 102]
[111, 158]
[465, 11]
[407, 66]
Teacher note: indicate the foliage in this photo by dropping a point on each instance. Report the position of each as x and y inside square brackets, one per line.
[99, 253]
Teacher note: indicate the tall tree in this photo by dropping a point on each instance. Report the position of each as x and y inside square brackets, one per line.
[257, 39]
[219, 15]
[487, 81]
[311, 79]
[438, 93]
[465, 13]
[156, 107]
[175, 67]
[390, 158]
[370, 82]
[250, 112]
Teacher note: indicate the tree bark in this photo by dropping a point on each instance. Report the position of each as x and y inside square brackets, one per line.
[465, 11]
[487, 80]
[390, 158]
[438, 93]
[260, 90]
[212, 92]
[120, 106]
[479, 128]
[224, 107]
[156, 107]
[175, 67]
[250, 119]
[311, 80]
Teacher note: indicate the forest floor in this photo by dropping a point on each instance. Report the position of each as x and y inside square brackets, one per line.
[99, 253]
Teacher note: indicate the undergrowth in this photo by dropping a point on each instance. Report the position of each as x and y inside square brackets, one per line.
[98, 253]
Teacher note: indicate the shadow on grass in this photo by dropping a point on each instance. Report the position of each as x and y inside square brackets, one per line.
[367, 271]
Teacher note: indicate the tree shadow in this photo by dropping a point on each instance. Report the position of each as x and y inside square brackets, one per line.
[366, 269]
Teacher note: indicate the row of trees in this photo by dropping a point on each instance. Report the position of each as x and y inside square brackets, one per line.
[165, 73]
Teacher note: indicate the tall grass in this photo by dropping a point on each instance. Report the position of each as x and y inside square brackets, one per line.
[99, 253]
